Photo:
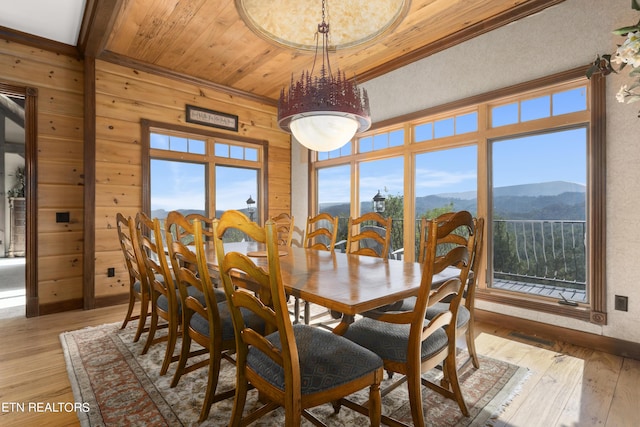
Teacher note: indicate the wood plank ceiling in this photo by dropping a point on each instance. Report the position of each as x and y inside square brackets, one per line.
[208, 40]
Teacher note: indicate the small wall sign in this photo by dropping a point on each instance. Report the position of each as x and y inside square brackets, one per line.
[215, 119]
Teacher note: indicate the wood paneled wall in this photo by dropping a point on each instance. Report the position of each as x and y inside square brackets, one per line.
[59, 82]
[124, 96]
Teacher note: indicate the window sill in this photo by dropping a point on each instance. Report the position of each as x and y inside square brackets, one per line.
[580, 312]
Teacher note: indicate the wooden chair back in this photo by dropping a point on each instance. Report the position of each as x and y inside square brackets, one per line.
[321, 232]
[161, 283]
[282, 382]
[284, 227]
[138, 281]
[151, 238]
[369, 234]
[187, 271]
[192, 273]
[180, 226]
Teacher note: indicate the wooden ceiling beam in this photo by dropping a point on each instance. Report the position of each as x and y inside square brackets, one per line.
[97, 25]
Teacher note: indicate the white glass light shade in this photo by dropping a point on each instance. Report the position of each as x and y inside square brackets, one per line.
[323, 131]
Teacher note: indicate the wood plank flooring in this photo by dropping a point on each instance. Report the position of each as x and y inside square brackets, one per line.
[569, 385]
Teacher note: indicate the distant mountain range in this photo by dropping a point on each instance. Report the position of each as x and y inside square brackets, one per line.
[546, 200]
[554, 200]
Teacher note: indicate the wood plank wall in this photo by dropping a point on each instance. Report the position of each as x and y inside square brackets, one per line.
[124, 96]
[59, 82]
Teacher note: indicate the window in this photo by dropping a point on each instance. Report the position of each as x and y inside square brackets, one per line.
[447, 126]
[538, 213]
[381, 141]
[334, 195]
[445, 181]
[201, 172]
[530, 159]
[387, 177]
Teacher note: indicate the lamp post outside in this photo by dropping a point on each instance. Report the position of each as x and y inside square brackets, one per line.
[251, 208]
[378, 202]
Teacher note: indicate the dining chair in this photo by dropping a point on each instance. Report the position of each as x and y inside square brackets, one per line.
[285, 228]
[138, 282]
[408, 343]
[206, 321]
[369, 234]
[180, 228]
[466, 314]
[163, 293]
[295, 366]
[321, 232]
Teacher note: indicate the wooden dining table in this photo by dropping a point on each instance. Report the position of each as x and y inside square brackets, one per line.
[345, 283]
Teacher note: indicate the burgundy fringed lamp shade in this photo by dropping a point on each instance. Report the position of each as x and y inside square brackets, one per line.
[323, 112]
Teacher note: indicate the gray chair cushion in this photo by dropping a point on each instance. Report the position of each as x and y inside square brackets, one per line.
[200, 324]
[137, 286]
[437, 308]
[326, 360]
[163, 303]
[390, 341]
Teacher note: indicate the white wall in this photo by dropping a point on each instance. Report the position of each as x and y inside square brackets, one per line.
[560, 38]
[11, 163]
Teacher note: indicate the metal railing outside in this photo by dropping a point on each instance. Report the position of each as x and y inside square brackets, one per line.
[543, 252]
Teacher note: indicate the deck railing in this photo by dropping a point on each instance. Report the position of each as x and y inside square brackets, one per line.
[548, 252]
[541, 252]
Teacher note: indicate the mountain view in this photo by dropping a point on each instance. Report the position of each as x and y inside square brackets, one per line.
[557, 200]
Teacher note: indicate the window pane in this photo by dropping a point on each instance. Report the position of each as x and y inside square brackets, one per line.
[158, 141]
[570, 101]
[386, 176]
[197, 146]
[251, 154]
[177, 186]
[334, 195]
[396, 138]
[380, 141]
[222, 150]
[423, 132]
[345, 150]
[365, 144]
[234, 186]
[536, 108]
[446, 181]
[466, 123]
[444, 128]
[504, 115]
[539, 213]
[236, 152]
[178, 144]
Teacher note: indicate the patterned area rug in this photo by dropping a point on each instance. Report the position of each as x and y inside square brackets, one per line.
[123, 388]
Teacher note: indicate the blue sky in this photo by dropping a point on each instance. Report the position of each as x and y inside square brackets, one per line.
[181, 185]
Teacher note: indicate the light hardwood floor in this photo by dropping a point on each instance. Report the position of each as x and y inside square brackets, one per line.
[568, 386]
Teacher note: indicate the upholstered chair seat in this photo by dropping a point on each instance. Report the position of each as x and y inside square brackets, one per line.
[327, 361]
[201, 325]
[391, 341]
